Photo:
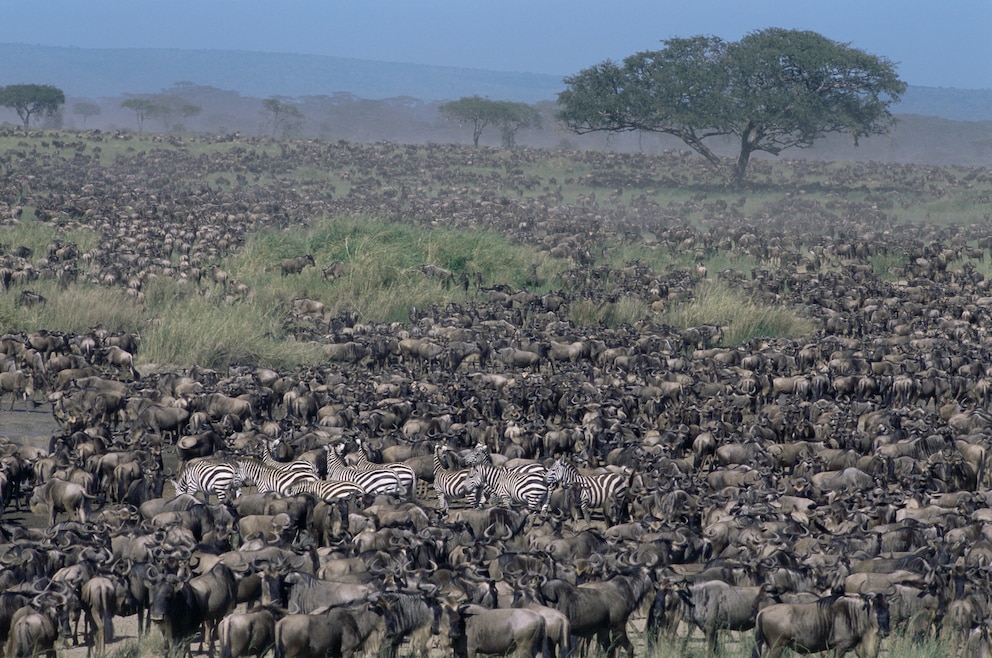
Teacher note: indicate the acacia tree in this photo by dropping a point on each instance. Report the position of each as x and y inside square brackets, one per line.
[167, 107]
[143, 108]
[480, 112]
[85, 109]
[285, 118]
[774, 89]
[511, 117]
[27, 100]
[473, 110]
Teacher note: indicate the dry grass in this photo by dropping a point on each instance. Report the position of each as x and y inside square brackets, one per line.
[743, 318]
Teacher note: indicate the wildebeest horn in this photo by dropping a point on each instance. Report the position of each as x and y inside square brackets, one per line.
[428, 588]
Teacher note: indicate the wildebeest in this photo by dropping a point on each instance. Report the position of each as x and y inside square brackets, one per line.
[30, 298]
[474, 629]
[336, 269]
[308, 593]
[61, 496]
[35, 628]
[711, 606]
[180, 606]
[334, 632]
[99, 598]
[406, 616]
[296, 265]
[249, 633]
[442, 274]
[18, 384]
[838, 623]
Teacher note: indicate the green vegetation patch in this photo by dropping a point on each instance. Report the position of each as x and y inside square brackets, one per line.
[381, 277]
[246, 321]
[742, 318]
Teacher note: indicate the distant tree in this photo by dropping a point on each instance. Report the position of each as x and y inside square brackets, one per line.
[481, 112]
[28, 100]
[53, 121]
[173, 110]
[285, 118]
[143, 108]
[85, 109]
[773, 90]
[512, 117]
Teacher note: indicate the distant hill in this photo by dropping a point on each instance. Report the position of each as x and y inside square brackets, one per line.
[98, 73]
[113, 72]
[947, 103]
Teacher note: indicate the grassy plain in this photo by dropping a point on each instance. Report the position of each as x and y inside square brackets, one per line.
[183, 323]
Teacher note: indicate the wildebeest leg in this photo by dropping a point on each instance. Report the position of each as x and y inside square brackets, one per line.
[621, 641]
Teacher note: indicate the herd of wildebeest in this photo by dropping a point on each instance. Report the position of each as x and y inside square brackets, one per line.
[490, 478]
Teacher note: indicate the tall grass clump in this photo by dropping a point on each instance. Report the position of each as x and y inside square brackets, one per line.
[77, 309]
[383, 280]
[592, 313]
[742, 318]
[37, 235]
[216, 330]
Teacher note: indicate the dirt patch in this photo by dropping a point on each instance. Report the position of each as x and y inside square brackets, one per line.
[32, 426]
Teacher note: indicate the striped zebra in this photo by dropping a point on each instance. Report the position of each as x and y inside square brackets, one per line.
[406, 475]
[372, 482]
[210, 477]
[512, 485]
[326, 490]
[480, 455]
[448, 483]
[607, 491]
[268, 479]
[296, 466]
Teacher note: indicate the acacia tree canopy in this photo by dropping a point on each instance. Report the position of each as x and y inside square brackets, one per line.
[480, 112]
[142, 108]
[27, 100]
[285, 117]
[774, 89]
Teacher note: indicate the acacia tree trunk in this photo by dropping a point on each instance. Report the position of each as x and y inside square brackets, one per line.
[740, 168]
[477, 132]
[748, 141]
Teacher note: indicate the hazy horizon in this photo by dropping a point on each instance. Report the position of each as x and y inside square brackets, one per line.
[932, 45]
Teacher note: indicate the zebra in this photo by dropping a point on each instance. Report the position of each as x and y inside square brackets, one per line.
[297, 465]
[373, 482]
[607, 491]
[447, 483]
[328, 491]
[406, 475]
[512, 485]
[210, 477]
[480, 455]
[267, 479]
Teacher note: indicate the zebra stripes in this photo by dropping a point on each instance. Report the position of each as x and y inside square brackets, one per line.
[406, 475]
[267, 479]
[373, 482]
[447, 483]
[297, 465]
[327, 491]
[598, 491]
[524, 485]
[210, 477]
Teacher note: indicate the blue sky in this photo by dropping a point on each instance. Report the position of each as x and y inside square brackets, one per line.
[935, 44]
